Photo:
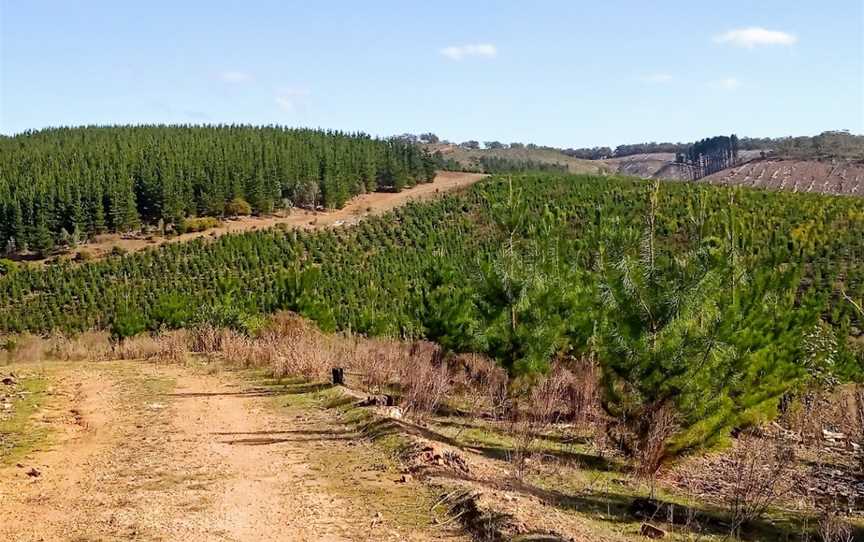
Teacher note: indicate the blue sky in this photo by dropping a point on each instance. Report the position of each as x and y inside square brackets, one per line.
[564, 73]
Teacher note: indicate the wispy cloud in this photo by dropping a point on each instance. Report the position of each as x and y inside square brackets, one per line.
[235, 77]
[729, 83]
[753, 36]
[658, 78]
[458, 52]
[289, 100]
[196, 115]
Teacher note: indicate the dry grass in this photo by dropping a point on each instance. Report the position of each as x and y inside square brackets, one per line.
[537, 423]
[761, 477]
[426, 381]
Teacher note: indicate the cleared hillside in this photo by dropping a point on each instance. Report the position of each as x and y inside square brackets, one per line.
[659, 165]
[840, 177]
[470, 158]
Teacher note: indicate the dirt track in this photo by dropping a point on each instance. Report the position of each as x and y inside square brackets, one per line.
[364, 205]
[153, 453]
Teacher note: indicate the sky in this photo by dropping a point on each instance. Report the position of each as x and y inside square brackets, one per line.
[561, 73]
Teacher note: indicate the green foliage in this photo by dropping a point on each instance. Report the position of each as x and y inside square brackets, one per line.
[83, 256]
[171, 311]
[203, 223]
[228, 313]
[94, 179]
[127, 322]
[7, 266]
[238, 207]
[697, 297]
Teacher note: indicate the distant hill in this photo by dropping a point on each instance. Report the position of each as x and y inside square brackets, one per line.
[838, 176]
[661, 165]
[470, 159]
[831, 162]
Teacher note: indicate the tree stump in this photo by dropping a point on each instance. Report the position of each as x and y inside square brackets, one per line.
[651, 531]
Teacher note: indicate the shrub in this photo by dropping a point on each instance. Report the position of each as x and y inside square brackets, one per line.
[83, 256]
[7, 267]
[761, 476]
[238, 207]
[191, 225]
[127, 323]
[425, 380]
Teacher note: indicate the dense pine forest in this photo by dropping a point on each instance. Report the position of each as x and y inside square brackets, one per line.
[60, 186]
[719, 300]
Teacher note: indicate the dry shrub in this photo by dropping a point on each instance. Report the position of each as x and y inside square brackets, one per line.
[857, 425]
[659, 426]
[288, 345]
[377, 362]
[137, 347]
[297, 348]
[234, 347]
[171, 347]
[832, 528]
[541, 407]
[207, 339]
[87, 346]
[761, 475]
[484, 382]
[22, 348]
[425, 381]
[806, 415]
[582, 393]
[817, 409]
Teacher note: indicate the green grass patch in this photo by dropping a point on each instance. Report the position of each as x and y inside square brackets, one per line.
[18, 435]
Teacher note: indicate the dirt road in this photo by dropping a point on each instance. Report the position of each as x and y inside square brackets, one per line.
[139, 452]
[361, 206]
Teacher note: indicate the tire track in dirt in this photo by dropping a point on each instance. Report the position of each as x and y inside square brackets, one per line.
[38, 508]
[166, 453]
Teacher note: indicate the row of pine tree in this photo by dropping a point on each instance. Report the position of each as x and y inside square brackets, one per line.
[63, 185]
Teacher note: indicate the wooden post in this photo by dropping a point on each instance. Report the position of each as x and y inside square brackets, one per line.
[338, 376]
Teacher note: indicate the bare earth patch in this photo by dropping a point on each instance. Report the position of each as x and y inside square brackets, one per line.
[169, 453]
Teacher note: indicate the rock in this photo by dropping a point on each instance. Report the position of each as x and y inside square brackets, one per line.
[651, 531]
[393, 412]
[33, 473]
[377, 400]
[831, 435]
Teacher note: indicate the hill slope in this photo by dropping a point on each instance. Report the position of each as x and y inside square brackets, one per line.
[840, 177]
[470, 158]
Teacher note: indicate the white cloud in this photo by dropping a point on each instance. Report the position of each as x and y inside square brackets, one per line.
[235, 77]
[752, 36]
[458, 52]
[290, 99]
[729, 83]
[658, 78]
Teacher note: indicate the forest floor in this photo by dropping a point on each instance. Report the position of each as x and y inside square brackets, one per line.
[136, 451]
[364, 205]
